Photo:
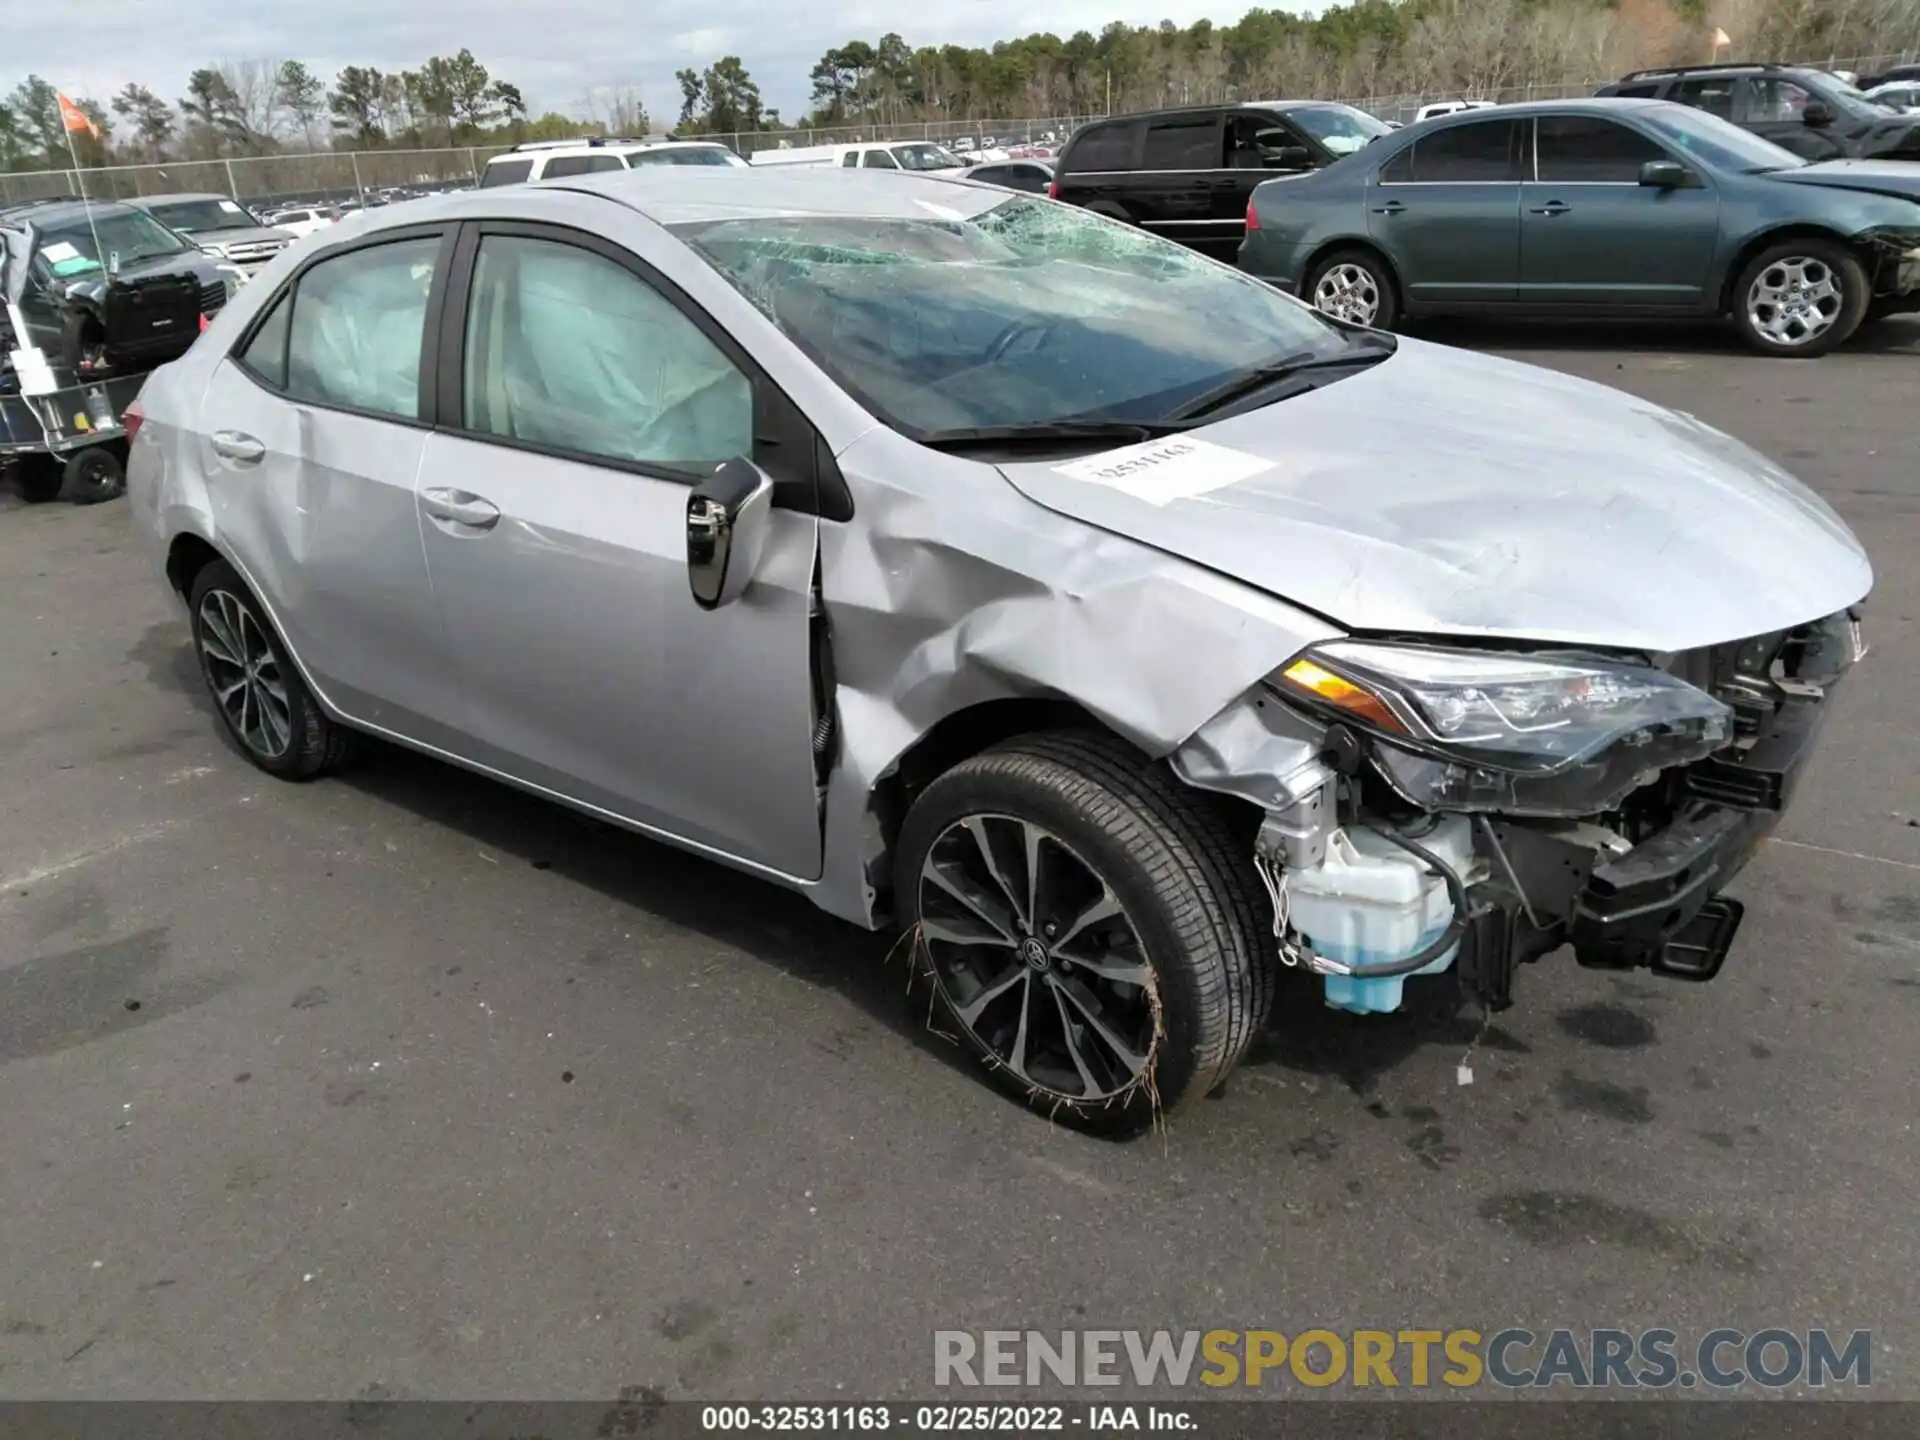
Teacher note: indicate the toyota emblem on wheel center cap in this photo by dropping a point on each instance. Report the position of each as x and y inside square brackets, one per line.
[1034, 953]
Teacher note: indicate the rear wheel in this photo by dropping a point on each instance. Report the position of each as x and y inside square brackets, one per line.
[38, 478]
[93, 475]
[262, 700]
[1355, 286]
[1801, 298]
[1087, 926]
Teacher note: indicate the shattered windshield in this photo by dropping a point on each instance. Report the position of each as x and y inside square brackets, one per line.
[1028, 313]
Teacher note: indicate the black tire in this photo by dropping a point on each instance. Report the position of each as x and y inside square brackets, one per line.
[293, 739]
[1813, 262]
[38, 479]
[1378, 280]
[93, 475]
[1185, 889]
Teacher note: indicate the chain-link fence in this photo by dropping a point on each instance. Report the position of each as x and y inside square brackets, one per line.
[365, 174]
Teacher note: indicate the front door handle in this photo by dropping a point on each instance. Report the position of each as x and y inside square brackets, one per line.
[243, 449]
[1392, 207]
[461, 507]
[1552, 207]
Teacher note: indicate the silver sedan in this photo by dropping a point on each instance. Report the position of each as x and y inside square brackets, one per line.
[1115, 626]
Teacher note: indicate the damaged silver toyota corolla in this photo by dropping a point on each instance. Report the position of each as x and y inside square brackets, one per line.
[1119, 628]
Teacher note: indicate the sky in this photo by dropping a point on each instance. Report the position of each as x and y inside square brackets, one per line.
[556, 52]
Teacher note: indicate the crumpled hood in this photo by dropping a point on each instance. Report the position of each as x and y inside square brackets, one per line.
[1877, 177]
[1448, 493]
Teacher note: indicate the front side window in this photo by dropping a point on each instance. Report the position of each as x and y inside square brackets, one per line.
[1184, 144]
[357, 323]
[569, 351]
[1021, 313]
[1581, 149]
[1481, 152]
[1776, 102]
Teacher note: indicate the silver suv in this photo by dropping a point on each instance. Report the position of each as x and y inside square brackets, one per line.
[1116, 627]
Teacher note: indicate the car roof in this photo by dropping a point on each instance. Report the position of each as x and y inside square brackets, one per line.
[692, 194]
[1575, 105]
[142, 202]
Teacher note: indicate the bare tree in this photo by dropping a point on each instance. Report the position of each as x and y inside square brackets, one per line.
[255, 88]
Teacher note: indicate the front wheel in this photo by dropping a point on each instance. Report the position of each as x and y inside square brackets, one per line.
[262, 700]
[1801, 298]
[1355, 286]
[93, 475]
[1087, 926]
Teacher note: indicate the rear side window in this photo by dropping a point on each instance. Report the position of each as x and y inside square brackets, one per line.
[1635, 92]
[1713, 96]
[1188, 143]
[850, 159]
[1579, 149]
[266, 352]
[881, 160]
[563, 165]
[506, 172]
[1104, 147]
[357, 323]
[1464, 154]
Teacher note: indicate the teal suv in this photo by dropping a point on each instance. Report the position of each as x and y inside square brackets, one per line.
[1596, 207]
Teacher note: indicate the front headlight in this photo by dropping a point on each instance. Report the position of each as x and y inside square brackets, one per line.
[1467, 730]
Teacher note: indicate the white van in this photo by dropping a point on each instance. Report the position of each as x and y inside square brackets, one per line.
[917, 155]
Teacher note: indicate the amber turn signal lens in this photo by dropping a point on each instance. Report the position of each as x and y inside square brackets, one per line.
[1342, 693]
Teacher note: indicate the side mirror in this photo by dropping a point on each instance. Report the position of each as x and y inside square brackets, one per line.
[1291, 157]
[1668, 175]
[1816, 115]
[728, 517]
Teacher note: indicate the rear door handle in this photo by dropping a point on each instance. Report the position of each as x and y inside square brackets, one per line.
[243, 449]
[461, 507]
[1392, 207]
[1552, 207]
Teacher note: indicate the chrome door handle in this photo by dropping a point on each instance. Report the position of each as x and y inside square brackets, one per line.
[461, 507]
[1552, 207]
[1392, 207]
[232, 445]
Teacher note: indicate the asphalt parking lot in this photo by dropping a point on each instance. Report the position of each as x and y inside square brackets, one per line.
[404, 1085]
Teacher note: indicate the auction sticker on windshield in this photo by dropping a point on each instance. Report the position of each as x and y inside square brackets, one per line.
[1162, 471]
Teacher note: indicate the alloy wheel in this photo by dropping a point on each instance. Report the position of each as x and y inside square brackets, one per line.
[1794, 301]
[1348, 292]
[245, 674]
[1037, 958]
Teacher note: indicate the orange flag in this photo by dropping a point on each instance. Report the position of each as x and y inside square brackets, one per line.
[75, 119]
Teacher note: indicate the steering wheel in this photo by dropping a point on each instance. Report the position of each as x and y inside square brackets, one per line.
[1003, 342]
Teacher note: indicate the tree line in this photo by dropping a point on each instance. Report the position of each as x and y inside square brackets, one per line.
[1432, 48]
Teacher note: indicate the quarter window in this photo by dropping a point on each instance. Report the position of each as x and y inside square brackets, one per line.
[569, 351]
[562, 165]
[506, 172]
[1713, 96]
[356, 328]
[1463, 154]
[1182, 145]
[1578, 149]
[1106, 147]
[266, 353]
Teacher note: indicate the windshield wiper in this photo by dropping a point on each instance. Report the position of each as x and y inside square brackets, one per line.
[1258, 377]
[1046, 433]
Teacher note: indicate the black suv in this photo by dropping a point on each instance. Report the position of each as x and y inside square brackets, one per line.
[1189, 174]
[1809, 112]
